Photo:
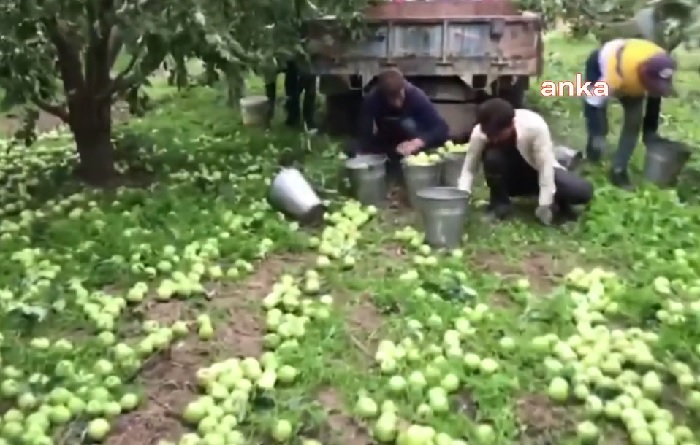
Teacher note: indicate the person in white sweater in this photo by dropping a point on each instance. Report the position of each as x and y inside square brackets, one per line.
[517, 152]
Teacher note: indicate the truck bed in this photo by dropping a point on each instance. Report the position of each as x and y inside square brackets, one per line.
[444, 37]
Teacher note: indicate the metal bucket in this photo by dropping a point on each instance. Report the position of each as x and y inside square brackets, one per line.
[569, 158]
[291, 194]
[452, 168]
[444, 214]
[255, 110]
[367, 176]
[419, 177]
[664, 161]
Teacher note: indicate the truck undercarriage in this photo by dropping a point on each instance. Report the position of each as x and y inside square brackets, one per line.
[460, 52]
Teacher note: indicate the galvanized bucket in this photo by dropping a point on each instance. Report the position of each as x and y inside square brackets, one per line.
[444, 214]
[664, 161]
[367, 176]
[419, 177]
[255, 110]
[569, 158]
[291, 194]
[452, 168]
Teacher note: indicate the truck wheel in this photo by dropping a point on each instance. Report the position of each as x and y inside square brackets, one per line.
[342, 112]
[514, 93]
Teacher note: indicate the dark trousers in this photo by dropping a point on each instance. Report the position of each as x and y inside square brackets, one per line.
[508, 175]
[296, 83]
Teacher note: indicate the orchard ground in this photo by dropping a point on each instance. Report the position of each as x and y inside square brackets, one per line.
[94, 273]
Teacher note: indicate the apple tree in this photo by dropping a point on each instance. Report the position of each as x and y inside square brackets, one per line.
[74, 58]
[671, 21]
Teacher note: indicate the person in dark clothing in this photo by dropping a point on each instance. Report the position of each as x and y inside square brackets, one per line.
[516, 149]
[397, 119]
[296, 83]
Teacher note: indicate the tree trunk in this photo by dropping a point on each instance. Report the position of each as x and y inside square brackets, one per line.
[235, 88]
[91, 124]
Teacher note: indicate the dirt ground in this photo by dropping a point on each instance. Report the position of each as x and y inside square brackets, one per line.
[169, 379]
[543, 270]
[541, 421]
[12, 122]
[342, 428]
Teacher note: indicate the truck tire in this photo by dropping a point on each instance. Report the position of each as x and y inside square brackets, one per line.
[342, 111]
[514, 93]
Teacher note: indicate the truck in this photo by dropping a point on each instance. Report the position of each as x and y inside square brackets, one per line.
[459, 52]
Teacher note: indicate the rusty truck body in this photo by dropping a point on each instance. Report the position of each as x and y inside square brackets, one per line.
[459, 52]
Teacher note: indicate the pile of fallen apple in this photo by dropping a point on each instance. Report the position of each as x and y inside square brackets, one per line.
[290, 306]
[611, 372]
[426, 159]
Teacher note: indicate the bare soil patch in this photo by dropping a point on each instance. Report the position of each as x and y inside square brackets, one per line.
[365, 318]
[383, 259]
[243, 333]
[12, 121]
[364, 322]
[341, 427]
[614, 435]
[543, 270]
[166, 312]
[169, 384]
[541, 421]
[501, 299]
[254, 287]
[398, 198]
[169, 378]
[465, 402]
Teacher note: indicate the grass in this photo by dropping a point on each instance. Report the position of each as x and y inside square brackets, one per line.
[194, 286]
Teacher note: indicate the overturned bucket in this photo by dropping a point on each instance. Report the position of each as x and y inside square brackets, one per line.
[664, 161]
[367, 177]
[291, 194]
[444, 214]
[419, 177]
[452, 168]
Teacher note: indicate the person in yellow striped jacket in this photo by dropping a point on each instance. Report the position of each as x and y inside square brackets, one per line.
[633, 69]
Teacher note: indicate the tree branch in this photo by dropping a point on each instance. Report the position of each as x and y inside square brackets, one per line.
[120, 82]
[115, 45]
[94, 45]
[60, 111]
[68, 58]
[98, 56]
[135, 58]
[130, 76]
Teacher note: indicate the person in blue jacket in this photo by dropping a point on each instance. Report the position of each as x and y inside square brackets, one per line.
[397, 119]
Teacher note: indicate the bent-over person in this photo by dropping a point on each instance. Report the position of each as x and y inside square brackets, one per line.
[518, 156]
